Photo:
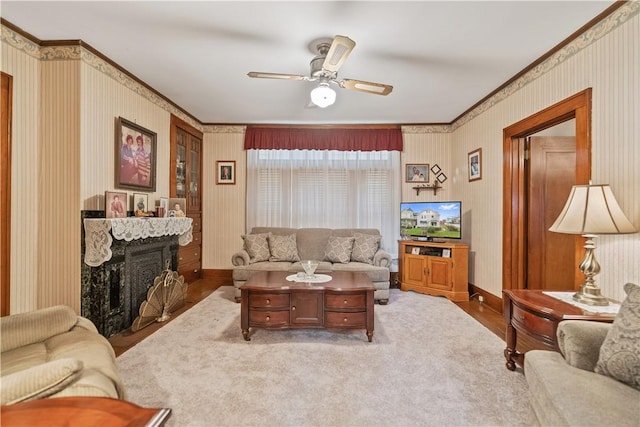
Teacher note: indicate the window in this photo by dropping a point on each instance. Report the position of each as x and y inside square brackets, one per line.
[333, 189]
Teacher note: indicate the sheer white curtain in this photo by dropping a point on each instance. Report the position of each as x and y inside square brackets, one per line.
[333, 189]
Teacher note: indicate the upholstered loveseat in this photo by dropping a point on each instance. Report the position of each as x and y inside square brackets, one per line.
[344, 249]
[596, 379]
[53, 352]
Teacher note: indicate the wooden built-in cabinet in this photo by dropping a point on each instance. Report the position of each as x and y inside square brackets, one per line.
[185, 180]
[435, 268]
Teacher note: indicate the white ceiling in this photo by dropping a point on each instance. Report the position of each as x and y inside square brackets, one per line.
[441, 57]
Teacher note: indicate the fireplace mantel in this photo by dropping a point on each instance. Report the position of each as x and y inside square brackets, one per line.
[100, 232]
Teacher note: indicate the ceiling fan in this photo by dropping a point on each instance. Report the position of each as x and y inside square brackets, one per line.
[330, 55]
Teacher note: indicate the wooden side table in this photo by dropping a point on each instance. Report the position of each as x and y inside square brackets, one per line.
[82, 412]
[537, 315]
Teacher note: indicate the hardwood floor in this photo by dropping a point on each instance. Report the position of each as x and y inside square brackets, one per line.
[202, 288]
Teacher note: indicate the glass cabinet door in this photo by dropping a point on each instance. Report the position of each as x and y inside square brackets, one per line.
[181, 164]
[194, 174]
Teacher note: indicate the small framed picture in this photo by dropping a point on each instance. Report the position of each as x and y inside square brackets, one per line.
[441, 177]
[415, 251]
[140, 202]
[115, 204]
[225, 172]
[435, 169]
[177, 208]
[417, 173]
[475, 165]
[164, 204]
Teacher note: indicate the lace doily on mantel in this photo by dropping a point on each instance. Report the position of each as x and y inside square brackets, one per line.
[100, 232]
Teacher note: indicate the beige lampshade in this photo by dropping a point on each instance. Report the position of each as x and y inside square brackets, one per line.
[592, 209]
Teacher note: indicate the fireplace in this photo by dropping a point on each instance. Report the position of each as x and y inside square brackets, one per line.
[114, 287]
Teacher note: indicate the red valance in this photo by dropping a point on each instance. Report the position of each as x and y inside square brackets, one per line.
[340, 139]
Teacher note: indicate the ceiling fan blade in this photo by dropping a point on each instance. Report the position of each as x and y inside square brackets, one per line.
[369, 87]
[338, 53]
[258, 75]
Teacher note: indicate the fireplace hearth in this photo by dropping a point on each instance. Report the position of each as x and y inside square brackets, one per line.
[113, 291]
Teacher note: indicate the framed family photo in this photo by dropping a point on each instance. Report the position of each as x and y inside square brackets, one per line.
[225, 172]
[474, 164]
[177, 208]
[417, 173]
[115, 204]
[135, 166]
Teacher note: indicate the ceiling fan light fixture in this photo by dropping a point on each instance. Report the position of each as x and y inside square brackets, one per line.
[323, 95]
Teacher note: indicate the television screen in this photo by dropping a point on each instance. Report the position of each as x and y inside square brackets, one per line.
[440, 220]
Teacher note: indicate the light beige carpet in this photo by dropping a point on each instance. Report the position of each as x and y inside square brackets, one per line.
[429, 364]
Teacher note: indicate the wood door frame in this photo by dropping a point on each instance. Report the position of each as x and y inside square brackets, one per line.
[514, 196]
[5, 200]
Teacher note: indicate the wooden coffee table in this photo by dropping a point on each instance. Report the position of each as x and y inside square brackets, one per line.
[269, 301]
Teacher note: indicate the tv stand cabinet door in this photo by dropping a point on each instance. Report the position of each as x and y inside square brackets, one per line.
[439, 273]
[414, 269]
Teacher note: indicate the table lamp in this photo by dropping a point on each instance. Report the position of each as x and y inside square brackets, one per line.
[591, 210]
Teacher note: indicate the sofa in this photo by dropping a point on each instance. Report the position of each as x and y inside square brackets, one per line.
[53, 352]
[595, 380]
[343, 249]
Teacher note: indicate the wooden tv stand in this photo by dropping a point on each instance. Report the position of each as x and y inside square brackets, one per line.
[435, 268]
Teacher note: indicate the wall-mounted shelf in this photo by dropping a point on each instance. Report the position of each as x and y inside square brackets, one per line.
[435, 187]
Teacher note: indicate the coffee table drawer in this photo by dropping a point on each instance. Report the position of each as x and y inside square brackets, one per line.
[269, 318]
[260, 300]
[335, 319]
[342, 301]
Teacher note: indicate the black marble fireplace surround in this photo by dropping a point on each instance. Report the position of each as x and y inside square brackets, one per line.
[112, 292]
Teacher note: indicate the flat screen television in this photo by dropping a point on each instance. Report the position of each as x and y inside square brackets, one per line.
[439, 220]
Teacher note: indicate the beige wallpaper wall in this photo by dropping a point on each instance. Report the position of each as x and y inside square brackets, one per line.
[223, 210]
[82, 146]
[611, 66]
[25, 153]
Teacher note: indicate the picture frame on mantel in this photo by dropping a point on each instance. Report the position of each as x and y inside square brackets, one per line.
[135, 165]
[115, 204]
[474, 165]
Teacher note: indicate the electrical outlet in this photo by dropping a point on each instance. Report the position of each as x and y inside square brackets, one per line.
[480, 299]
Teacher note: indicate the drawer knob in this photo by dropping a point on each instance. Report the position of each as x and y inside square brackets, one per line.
[180, 258]
[345, 301]
[196, 253]
[268, 301]
[346, 320]
[293, 308]
[520, 317]
[268, 318]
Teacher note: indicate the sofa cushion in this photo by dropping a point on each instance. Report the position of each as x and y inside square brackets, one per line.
[562, 395]
[257, 246]
[338, 249]
[40, 381]
[365, 247]
[243, 272]
[376, 274]
[283, 248]
[620, 351]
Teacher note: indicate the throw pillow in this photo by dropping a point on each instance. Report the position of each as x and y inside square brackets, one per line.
[283, 248]
[257, 246]
[339, 249]
[620, 351]
[365, 247]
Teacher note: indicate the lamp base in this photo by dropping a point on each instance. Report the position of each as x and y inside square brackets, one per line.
[591, 296]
